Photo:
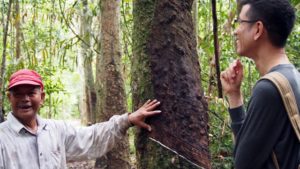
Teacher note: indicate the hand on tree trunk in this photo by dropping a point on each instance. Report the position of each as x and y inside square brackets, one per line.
[138, 117]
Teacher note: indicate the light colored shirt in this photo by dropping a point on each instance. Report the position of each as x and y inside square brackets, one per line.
[56, 142]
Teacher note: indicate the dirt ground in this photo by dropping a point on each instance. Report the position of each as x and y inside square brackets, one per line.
[85, 165]
[81, 165]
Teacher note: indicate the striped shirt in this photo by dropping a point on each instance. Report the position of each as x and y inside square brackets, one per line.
[56, 142]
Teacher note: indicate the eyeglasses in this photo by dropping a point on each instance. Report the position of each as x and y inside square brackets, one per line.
[238, 21]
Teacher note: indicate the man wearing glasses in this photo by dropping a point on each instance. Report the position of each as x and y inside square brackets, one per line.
[264, 131]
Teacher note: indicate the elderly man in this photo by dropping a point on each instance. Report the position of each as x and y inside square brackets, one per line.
[28, 141]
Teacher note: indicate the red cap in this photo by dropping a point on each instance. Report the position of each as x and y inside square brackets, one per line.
[25, 76]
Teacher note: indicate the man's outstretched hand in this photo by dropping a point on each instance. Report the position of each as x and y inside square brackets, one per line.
[138, 117]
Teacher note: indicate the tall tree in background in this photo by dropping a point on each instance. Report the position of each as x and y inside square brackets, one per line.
[165, 66]
[17, 19]
[89, 96]
[3, 59]
[112, 94]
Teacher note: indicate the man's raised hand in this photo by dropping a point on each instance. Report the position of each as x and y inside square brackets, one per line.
[138, 117]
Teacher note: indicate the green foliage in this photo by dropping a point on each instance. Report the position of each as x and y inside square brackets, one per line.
[47, 46]
[126, 29]
[221, 143]
[293, 44]
[50, 46]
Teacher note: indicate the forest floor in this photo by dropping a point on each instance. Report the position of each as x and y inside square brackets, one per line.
[81, 165]
[85, 165]
[89, 164]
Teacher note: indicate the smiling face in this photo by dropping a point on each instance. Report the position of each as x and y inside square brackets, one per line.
[25, 101]
[244, 33]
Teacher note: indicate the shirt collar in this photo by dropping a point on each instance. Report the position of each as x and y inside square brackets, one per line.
[17, 126]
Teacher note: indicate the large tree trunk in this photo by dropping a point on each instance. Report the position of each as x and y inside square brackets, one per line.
[171, 54]
[89, 96]
[112, 98]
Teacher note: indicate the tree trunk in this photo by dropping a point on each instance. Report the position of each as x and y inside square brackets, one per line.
[89, 96]
[3, 64]
[195, 19]
[216, 47]
[17, 17]
[170, 59]
[112, 98]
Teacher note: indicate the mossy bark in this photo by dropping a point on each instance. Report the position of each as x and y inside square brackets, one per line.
[165, 66]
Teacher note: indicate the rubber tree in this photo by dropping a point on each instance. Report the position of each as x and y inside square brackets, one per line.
[165, 66]
[111, 97]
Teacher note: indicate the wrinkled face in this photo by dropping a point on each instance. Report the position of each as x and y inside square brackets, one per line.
[25, 101]
[244, 33]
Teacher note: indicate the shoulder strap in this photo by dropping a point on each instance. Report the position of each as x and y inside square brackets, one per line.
[288, 98]
[274, 158]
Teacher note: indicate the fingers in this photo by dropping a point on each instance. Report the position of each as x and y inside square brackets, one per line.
[151, 113]
[231, 78]
[233, 72]
[226, 77]
[150, 105]
[147, 102]
[150, 102]
[144, 125]
[239, 73]
[233, 69]
[153, 105]
[238, 67]
[239, 64]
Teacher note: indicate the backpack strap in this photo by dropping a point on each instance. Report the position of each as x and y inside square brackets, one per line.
[288, 98]
[275, 161]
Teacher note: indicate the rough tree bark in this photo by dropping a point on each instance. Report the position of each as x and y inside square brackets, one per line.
[148, 154]
[112, 93]
[169, 49]
[89, 97]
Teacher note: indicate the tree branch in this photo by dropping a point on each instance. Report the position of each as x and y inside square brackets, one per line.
[68, 25]
[216, 45]
[3, 64]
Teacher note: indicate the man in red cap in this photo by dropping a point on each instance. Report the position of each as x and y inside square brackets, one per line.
[28, 141]
[26, 95]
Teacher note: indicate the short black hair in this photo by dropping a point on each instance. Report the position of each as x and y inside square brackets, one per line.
[278, 16]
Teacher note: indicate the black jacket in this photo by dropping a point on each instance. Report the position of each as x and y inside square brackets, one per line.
[265, 127]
